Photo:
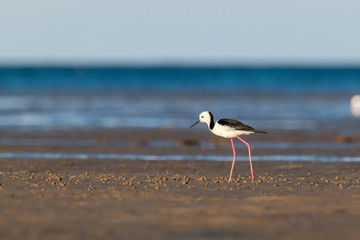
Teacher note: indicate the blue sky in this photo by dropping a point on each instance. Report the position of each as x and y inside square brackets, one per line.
[179, 31]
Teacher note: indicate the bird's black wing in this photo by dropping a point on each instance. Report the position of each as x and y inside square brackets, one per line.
[239, 125]
[236, 124]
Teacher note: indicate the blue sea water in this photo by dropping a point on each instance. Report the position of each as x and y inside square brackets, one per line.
[44, 98]
[182, 79]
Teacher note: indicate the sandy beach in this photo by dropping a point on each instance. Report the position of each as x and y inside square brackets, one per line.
[138, 199]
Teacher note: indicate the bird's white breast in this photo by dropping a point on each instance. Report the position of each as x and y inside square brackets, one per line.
[227, 132]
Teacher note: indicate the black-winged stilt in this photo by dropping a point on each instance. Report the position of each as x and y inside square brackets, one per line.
[229, 128]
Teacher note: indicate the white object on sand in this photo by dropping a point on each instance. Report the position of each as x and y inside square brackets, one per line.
[355, 105]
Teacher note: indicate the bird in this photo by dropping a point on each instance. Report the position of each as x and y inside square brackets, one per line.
[229, 128]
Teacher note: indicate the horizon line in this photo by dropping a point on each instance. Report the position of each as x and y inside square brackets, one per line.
[182, 65]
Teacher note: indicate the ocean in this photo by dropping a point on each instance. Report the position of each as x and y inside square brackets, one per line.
[53, 98]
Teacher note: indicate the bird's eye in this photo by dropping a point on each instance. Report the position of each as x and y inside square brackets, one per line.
[202, 116]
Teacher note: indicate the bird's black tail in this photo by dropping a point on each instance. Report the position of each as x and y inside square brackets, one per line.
[260, 131]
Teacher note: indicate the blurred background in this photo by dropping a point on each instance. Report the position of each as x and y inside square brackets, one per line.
[90, 64]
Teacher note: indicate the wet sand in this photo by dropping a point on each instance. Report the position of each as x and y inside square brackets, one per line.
[133, 199]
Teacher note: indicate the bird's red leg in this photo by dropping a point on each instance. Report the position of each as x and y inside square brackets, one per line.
[251, 168]
[234, 156]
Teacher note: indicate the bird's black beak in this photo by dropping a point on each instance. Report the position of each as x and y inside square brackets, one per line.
[194, 124]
